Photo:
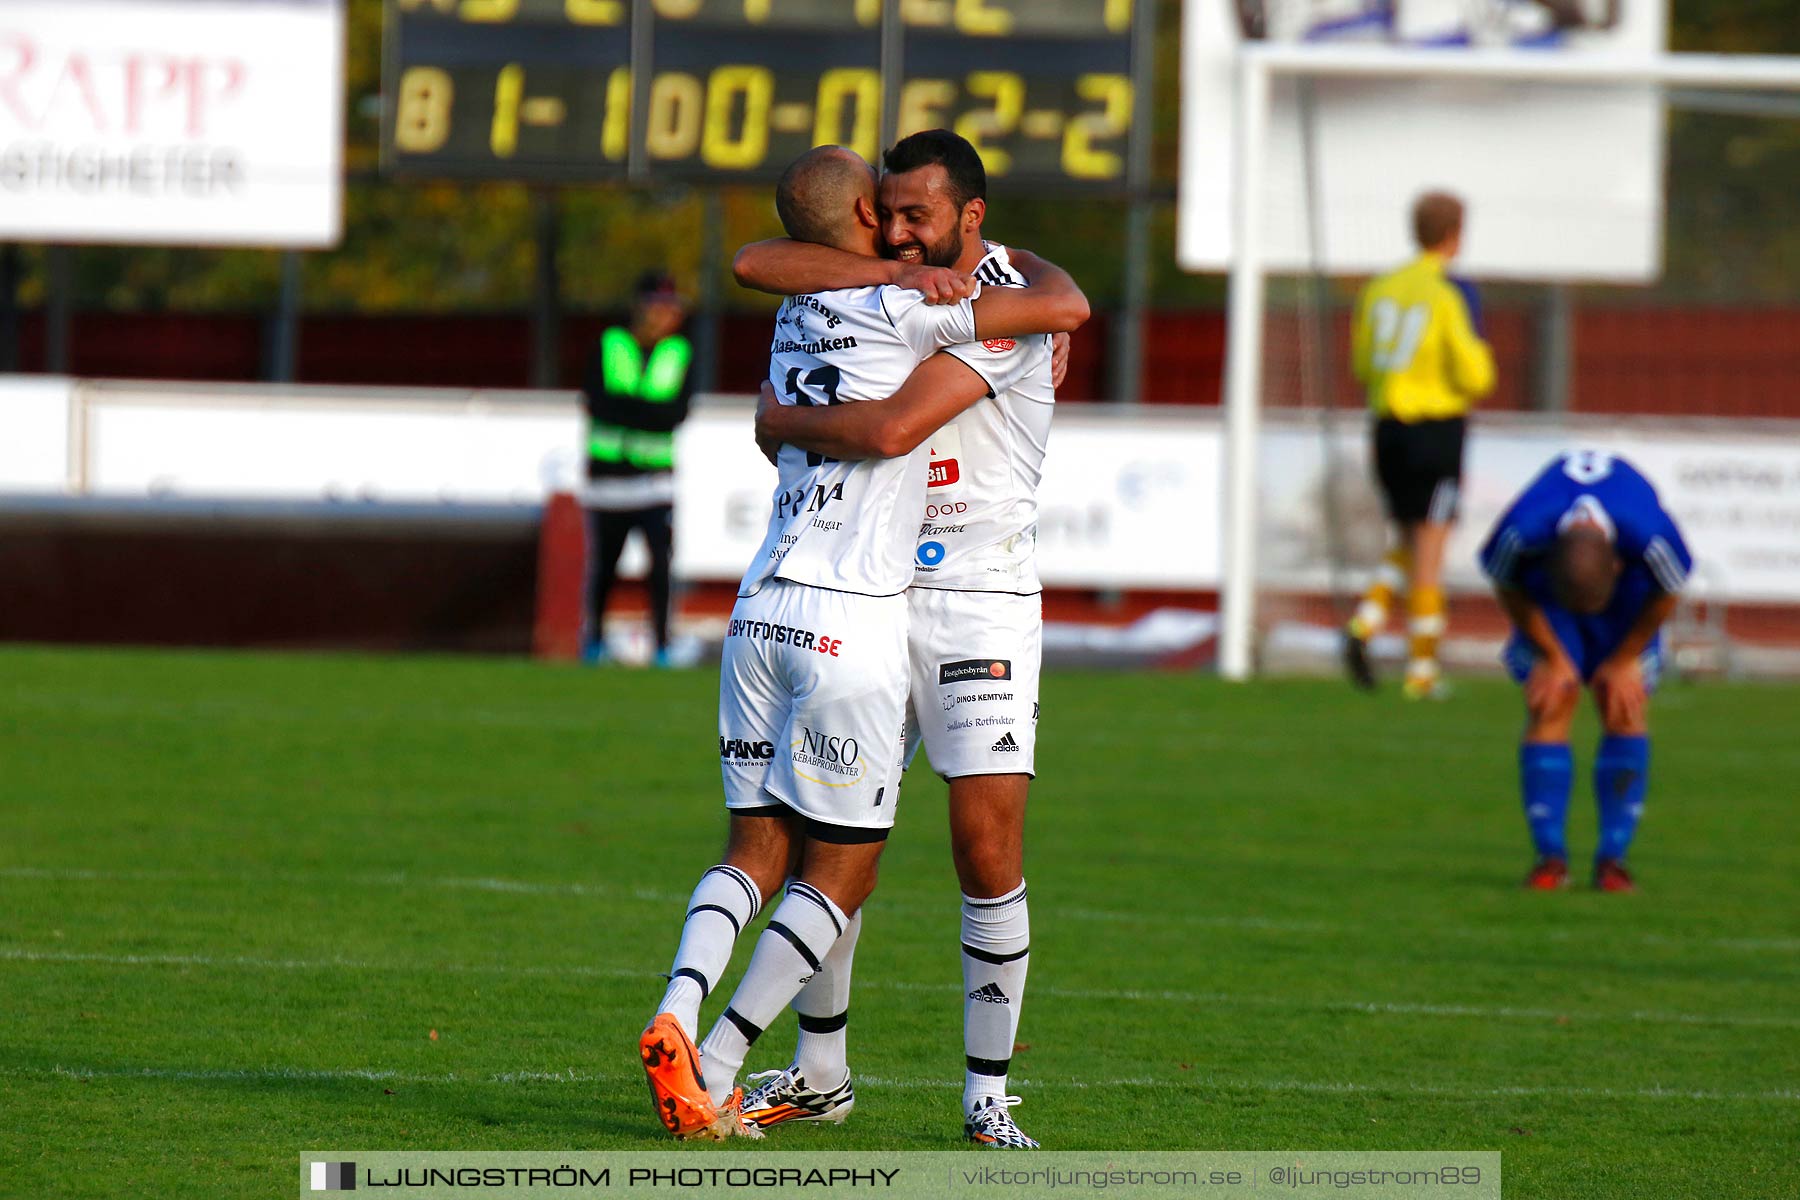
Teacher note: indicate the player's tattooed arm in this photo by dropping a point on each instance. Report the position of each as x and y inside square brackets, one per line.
[938, 389]
[785, 267]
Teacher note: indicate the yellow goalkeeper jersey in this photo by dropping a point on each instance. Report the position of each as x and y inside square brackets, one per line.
[1414, 346]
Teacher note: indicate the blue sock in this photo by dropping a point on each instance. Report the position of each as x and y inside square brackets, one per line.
[1621, 775]
[1546, 775]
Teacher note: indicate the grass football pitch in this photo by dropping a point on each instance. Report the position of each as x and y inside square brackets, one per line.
[253, 905]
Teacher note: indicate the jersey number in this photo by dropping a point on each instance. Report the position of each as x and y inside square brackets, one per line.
[824, 378]
[1588, 466]
[1397, 334]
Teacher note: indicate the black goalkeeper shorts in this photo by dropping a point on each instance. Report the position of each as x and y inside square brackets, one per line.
[1419, 465]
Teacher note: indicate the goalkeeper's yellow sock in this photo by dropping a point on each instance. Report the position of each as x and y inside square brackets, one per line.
[1390, 577]
[1425, 628]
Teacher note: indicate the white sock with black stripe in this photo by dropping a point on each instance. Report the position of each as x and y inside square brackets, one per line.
[800, 934]
[822, 1053]
[722, 906]
[996, 936]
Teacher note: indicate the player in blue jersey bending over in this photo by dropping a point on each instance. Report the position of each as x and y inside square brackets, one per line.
[1587, 564]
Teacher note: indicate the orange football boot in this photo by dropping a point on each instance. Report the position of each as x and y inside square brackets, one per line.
[672, 1066]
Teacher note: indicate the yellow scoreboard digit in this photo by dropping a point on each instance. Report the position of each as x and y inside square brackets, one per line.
[544, 90]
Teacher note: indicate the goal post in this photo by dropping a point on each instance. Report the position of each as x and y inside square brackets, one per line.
[1256, 65]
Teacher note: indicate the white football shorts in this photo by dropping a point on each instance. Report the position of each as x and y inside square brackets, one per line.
[812, 704]
[976, 658]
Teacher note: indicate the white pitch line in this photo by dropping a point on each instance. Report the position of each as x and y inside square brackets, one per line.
[79, 874]
[1182, 1083]
[1108, 995]
[20, 954]
[1454, 1093]
[1757, 945]
[365, 1075]
[262, 713]
[1273, 924]
[378, 879]
[1375, 1007]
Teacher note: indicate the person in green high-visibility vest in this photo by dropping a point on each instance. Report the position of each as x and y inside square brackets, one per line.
[637, 392]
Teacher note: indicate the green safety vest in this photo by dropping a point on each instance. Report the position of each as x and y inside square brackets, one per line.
[657, 380]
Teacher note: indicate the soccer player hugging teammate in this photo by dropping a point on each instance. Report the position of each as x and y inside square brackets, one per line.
[976, 618]
[1587, 565]
[814, 678]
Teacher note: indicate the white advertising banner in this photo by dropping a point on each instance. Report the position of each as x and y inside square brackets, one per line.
[722, 491]
[34, 434]
[1124, 503]
[1130, 501]
[1736, 496]
[1734, 489]
[1563, 182]
[316, 444]
[190, 122]
[1130, 498]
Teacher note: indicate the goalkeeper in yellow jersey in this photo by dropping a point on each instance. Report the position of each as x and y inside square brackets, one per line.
[1415, 348]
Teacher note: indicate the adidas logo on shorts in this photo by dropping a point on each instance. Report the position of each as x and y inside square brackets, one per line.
[1005, 743]
[990, 992]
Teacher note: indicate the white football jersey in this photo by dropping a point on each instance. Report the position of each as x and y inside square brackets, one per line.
[980, 527]
[850, 526]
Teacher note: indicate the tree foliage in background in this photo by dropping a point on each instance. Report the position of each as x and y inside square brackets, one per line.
[422, 246]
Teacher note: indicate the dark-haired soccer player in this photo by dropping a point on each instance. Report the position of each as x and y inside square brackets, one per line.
[976, 632]
[814, 675]
[1587, 564]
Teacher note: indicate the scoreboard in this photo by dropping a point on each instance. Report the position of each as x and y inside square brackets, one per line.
[591, 90]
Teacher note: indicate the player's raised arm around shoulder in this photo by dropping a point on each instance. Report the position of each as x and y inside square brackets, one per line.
[1054, 303]
[786, 267]
[1029, 265]
[1470, 359]
[938, 389]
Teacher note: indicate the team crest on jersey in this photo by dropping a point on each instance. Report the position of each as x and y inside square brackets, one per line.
[998, 345]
